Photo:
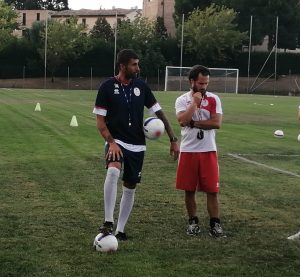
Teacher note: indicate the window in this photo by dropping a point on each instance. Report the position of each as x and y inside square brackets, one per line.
[84, 22]
[38, 17]
[24, 19]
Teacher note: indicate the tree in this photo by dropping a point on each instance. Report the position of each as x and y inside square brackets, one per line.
[102, 30]
[34, 33]
[264, 13]
[160, 28]
[66, 41]
[187, 6]
[140, 34]
[211, 35]
[54, 5]
[8, 23]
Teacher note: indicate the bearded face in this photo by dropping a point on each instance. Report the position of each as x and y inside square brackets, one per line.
[131, 70]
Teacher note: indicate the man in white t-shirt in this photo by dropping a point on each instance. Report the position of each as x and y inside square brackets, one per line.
[199, 113]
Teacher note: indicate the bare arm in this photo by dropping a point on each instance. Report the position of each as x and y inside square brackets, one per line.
[101, 126]
[174, 149]
[213, 123]
[184, 118]
[114, 150]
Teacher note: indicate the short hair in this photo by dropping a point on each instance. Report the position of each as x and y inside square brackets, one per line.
[196, 69]
[125, 55]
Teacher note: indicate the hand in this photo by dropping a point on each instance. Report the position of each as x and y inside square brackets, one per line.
[114, 152]
[174, 150]
[197, 97]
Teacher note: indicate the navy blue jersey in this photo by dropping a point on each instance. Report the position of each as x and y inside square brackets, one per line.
[123, 108]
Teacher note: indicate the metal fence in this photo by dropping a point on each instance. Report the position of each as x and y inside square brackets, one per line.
[89, 78]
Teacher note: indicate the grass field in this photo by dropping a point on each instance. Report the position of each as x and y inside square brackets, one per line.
[51, 186]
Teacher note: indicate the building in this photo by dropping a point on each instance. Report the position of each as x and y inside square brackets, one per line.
[86, 17]
[27, 17]
[161, 8]
[152, 9]
[89, 17]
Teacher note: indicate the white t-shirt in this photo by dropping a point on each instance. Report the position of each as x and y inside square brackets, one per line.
[210, 104]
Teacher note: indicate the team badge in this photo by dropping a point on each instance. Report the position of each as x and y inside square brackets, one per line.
[136, 91]
[204, 103]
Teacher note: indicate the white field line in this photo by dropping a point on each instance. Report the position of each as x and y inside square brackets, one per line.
[270, 155]
[263, 165]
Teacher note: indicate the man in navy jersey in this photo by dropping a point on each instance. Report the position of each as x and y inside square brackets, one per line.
[199, 113]
[119, 109]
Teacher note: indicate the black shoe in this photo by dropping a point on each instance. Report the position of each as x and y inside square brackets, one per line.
[121, 236]
[106, 228]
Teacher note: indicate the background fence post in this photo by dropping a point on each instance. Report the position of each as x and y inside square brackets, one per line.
[23, 76]
[91, 78]
[68, 77]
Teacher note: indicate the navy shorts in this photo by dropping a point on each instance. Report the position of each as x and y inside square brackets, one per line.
[132, 164]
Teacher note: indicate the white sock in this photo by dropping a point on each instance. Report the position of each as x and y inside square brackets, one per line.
[110, 192]
[125, 208]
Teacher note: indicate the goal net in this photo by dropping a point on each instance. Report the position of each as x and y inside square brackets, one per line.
[221, 79]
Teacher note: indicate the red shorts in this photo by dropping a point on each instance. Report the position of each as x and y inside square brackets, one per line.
[198, 172]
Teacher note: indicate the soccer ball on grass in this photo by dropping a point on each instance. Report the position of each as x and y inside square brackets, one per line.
[105, 243]
[278, 134]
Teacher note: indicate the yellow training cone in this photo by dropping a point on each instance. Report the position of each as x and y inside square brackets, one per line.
[74, 122]
[37, 107]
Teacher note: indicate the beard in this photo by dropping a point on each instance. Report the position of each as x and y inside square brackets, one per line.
[202, 91]
[131, 75]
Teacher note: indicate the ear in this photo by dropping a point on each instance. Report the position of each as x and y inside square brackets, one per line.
[122, 67]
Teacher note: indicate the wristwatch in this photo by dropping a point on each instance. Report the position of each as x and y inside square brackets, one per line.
[192, 123]
[173, 139]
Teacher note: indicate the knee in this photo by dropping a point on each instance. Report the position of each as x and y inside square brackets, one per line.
[129, 185]
[212, 195]
[113, 172]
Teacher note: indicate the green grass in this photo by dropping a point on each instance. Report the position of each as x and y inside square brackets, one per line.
[51, 186]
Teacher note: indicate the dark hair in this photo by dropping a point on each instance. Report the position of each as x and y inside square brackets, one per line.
[196, 69]
[125, 55]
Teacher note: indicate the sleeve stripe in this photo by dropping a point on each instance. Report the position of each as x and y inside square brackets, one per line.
[100, 111]
[156, 107]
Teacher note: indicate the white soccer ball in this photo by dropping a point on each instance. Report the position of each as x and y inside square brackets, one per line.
[278, 134]
[105, 243]
[153, 128]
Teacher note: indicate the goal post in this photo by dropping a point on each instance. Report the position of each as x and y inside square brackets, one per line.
[221, 79]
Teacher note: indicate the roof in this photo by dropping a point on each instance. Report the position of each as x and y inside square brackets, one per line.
[86, 12]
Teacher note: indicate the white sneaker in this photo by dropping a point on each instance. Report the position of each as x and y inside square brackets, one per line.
[193, 228]
[217, 231]
[296, 236]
